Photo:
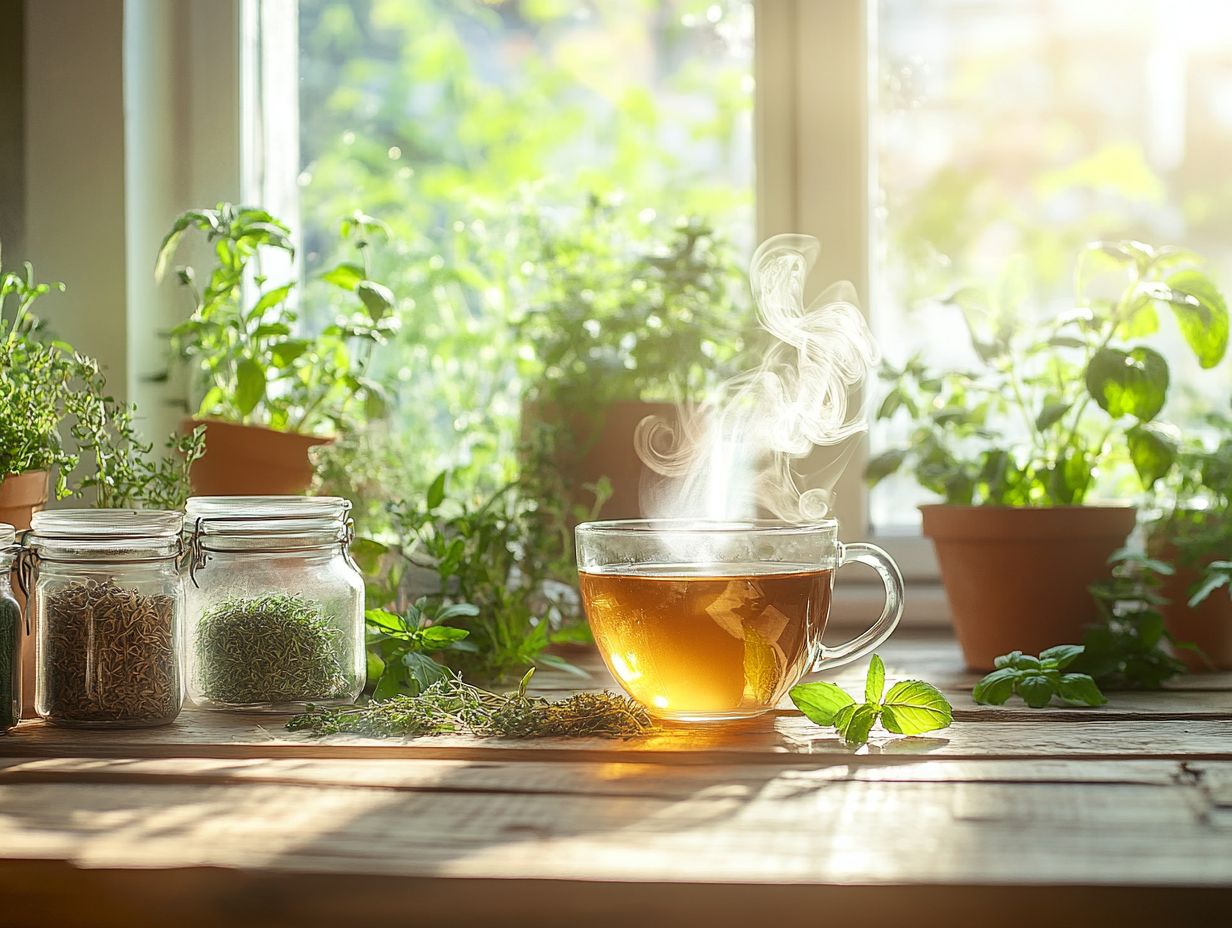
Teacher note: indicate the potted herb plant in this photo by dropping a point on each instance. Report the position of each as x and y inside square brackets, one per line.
[269, 392]
[1194, 535]
[31, 379]
[1018, 445]
[623, 320]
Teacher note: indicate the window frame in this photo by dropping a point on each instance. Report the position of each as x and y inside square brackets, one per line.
[813, 171]
[809, 182]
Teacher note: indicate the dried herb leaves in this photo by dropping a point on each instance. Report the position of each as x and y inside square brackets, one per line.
[268, 650]
[109, 656]
[451, 706]
[10, 656]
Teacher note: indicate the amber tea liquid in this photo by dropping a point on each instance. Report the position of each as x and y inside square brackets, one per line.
[712, 641]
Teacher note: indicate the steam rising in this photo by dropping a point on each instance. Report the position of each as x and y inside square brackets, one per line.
[735, 456]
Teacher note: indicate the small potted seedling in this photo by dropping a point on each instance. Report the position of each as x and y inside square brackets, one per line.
[269, 391]
[1016, 444]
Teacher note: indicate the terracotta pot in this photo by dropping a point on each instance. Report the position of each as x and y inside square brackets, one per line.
[248, 460]
[21, 496]
[1017, 579]
[598, 443]
[1209, 626]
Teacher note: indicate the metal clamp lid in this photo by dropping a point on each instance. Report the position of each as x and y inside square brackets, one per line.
[292, 526]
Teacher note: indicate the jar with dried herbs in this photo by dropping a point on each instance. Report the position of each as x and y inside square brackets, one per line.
[107, 604]
[275, 604]
[10, 635]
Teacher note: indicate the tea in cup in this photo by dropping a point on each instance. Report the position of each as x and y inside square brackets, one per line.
[706, 621]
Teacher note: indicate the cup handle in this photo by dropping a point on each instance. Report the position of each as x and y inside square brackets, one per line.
[857, 647]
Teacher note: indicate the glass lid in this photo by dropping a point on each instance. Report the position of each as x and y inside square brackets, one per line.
[243, 515]
[106, 524]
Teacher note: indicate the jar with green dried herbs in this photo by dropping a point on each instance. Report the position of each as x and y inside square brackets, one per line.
[10, 635]
[275, 604]
[107, 602]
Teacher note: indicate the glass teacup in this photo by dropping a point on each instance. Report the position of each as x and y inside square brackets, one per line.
[704, 621]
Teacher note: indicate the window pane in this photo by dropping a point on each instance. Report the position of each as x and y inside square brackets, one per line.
[1007, 130]
[461, 123]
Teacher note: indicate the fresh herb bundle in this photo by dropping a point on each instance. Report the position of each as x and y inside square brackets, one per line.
[1038, 679]
[911, 707]
[451, 706]
[400, 648]
[269, 649]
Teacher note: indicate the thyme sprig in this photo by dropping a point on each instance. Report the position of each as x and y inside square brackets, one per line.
[452, 706]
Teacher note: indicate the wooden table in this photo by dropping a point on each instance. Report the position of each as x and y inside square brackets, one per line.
[1059, 817]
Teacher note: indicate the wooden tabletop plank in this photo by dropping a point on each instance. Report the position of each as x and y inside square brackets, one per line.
[771, 739]
[814, 830]
[587, 779]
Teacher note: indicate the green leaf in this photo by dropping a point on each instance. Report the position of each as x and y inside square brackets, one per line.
[422, 670]
[1211, 581]
[438, 637]
[1201, 315]
[269, 299]
[820, 702]
[913, 707]
[1036, 690]
[761, 668]
[386, 621]
[1007, 660]
[1133, 383]
[368, 554]
[287, 352]
[856, 726]
[436, 492]
[377, 299]
[345, 275]
[1080, 690]
[874, 684]
[893, 400]
[1063, 654]
[391, 683]
[1153, 452]
[249, 385]
[995, 688]
[457, 611]
[1050, 415]
[884, 464]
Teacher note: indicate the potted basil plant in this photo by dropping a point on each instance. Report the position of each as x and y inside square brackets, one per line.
[1018, 444]
[269, 391]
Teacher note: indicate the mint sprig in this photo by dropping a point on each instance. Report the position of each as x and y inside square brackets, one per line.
[911, 707]
[1039, 679]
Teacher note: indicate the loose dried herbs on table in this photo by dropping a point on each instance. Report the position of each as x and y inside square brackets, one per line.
[452, 706]
[108, 655]
[269, 649]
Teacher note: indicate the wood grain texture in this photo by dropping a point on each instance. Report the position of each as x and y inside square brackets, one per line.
[1119, 815]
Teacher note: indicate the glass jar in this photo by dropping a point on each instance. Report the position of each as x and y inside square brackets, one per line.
[275, 604]
[107, 602]
[10, 634]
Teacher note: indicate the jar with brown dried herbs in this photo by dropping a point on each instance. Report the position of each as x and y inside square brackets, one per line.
[108, 604]
[10, 636]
